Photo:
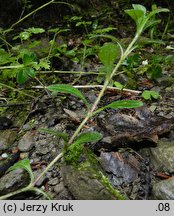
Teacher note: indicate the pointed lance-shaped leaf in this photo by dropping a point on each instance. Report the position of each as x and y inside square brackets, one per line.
[24, 164]
[88, 137]
[124, 104]
[65, 88]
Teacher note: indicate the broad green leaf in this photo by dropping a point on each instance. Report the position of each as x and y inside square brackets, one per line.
[24, 74]
[124, 104]
[146, 95]
[107, 69]
[30, 72]
[136, 15]
[23, 36]
[24, 164]
[150, 94]
[28, 58]
[64, 88]
[139, 7]
[35, 30]
[155, 94]
[21, 76]
[118, 85]
[108, 53]
[62, 135]
[87, 137]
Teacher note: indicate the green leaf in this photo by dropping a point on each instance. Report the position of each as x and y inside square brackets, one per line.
[23, 35]
[154, 72]
[155, 94]
[43, 63]
[54, 30]
[151, 23]
[87, 137]
[108, 53]
[157, 11]
[62, 135]
[35, 30]
[21, 76]
[5, 57]
[124, 104]
[104, 30]
[64, 88]
[139, 7]
[118, 85]
[24, 164]
[146, 95]
[136, 15]
[24, 74]
[28, 58]
[107, 69]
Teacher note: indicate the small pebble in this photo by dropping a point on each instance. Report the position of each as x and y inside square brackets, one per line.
[59, 188]
[4, 155]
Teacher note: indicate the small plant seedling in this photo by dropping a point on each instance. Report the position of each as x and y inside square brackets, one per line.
[147, 95]
[119, 85]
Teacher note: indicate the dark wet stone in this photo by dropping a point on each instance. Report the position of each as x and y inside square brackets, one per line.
[83, 185]
[27, 142]
[59, 188]
[119, 172]
[5, 123]
[9, 161]
[162, 156]
[7, 138]
[13, 181]
[140, 130]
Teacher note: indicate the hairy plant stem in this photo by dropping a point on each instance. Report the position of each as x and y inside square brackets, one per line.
[25, 189]
[58, 157]
[91, 111]
[4, 197]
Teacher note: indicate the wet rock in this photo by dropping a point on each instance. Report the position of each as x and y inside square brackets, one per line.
[43, 147]
[164, 190]
[9, 161]
[53, 181]
[59, 188]
[83, 185]
[24, 155]
[119, 171]
[5, 123]
[7, 138]
[162, 156]
[27, 142]
[165, 81]
[13, 181]
[143, 128]
[122, 78]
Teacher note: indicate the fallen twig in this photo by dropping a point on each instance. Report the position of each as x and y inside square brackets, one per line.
[97, 86]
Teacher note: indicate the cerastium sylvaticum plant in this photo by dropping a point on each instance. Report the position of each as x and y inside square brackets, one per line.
[107, 55]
